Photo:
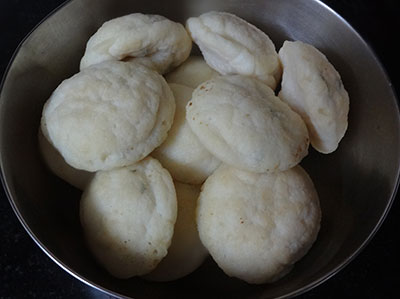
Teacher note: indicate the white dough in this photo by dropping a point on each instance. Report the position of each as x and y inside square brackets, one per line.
[241, 122]
[256, 226]
[182, 153]
[128, 217]
[191, 73]
[312, 87]
[109, 115]
[154, 40]
[56, 163]
[231, 45]
[186, 252]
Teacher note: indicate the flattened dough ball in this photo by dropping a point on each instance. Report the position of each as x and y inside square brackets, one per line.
[230, 45]
[57, 165]
[109, 115]
[182, 154]
[312, 87]
[128, 217]
[256, 226]
[191, 73]
[151, 39]
[241, 122]
[186, 252]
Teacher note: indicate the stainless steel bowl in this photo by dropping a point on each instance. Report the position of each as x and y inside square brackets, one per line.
[356, 184]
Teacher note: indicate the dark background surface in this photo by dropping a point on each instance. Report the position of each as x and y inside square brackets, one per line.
[27, 272]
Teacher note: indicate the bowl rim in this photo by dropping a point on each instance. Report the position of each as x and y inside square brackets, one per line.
[315, 283]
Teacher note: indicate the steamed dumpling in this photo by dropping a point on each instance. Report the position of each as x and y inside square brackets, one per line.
[257, 225]
[128, 216]
[241, 122]
[109, 115]
[230, 45]
[313, 88]
[152, 40]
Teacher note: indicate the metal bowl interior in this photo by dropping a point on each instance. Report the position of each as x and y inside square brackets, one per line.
[356, 184]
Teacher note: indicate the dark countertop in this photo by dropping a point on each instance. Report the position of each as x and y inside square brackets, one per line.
[26, 271]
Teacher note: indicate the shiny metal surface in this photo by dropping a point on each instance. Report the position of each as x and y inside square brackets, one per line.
[356, 184]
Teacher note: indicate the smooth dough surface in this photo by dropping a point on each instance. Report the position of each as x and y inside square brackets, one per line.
[256, 226]
[186, 252]
[231, 45]
[241, 122]
[128, 217]
[182, 154]
[192, 72]
[109, 115]
[153, 40]
[312, 87]
[57, 165]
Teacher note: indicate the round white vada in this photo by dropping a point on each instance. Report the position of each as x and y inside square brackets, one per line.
[313, 88]
[230, 45]
[109, 115]
[186, 252]
[256, 226]
[128, 217]
[153, 40]
[241, 122]
[186, 159]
